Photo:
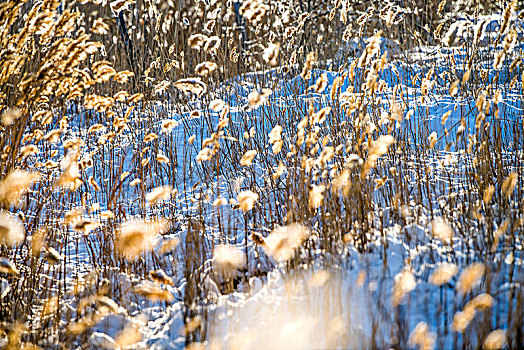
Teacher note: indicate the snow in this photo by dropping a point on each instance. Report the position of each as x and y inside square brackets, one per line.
[280, 311]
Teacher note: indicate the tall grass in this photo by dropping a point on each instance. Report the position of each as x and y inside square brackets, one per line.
[173, 153]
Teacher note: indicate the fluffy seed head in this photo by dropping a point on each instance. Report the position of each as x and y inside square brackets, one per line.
[12, 230]
[422, 337]
[283, 241]
[443, 274]
[316, 196]
[404, 283]
[248, 157]
[168, 125]
[246, 200]
[227, 258]
[137, 236]
[462, 319]
[154, 292]
[159, 193]
[270, 54]
[258, 98]
[9, 116]
[52, 256]
[442, 230]
[197, 41]
[205, 68]
[16, 183]
[495, 340]
[470, 277]
[191, 85]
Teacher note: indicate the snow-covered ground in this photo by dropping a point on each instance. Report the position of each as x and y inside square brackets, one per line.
[333, 302]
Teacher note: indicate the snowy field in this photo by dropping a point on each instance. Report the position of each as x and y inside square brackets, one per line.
[333, 301]
[373, 200]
